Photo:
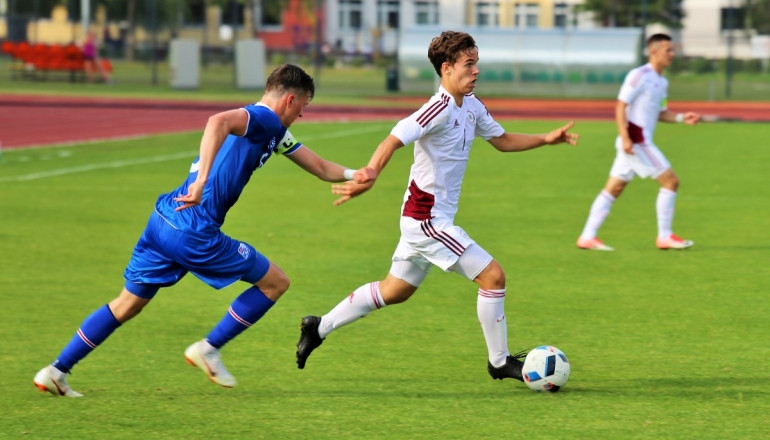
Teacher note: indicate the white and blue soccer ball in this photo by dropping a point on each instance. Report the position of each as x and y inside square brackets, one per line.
[546, 368]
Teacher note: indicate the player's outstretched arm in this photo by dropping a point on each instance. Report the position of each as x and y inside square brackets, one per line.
[364, 178]
[314, 164]
[689, 118]
[512, 142]
[350, 189]
[217, 128]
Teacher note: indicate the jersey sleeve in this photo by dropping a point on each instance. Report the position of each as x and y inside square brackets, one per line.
[287, 144]
[486, 126]
[632, 86]
[431, 115]
[258, 120]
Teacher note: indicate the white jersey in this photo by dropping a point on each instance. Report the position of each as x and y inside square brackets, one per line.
[645, 92]
[442, 134]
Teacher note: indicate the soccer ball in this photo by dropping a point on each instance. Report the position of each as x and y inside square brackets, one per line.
[546, 368]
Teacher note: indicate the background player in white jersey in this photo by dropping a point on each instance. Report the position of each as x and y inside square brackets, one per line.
[641, 104]
[442, 131]
[183, 233]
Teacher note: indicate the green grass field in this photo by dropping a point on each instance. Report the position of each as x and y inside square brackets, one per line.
[663, 345]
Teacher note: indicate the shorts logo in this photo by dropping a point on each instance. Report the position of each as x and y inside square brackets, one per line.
[244, 251]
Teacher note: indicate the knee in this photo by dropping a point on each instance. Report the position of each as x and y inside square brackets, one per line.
[615, 188]
[275, 285]
[492, 277]
[673, 184]
[669, 180]
[395, 290]
[127, 305]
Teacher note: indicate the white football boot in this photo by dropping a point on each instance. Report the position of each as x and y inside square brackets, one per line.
[673, 242]
[593, 244]
[53, 381]
[202, 355]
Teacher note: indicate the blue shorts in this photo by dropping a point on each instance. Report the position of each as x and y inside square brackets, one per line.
[164, 254]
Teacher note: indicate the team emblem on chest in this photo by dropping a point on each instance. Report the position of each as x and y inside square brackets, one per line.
[471, 118]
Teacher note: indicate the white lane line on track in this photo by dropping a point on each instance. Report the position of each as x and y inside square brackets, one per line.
[161, 158]
[95, 166]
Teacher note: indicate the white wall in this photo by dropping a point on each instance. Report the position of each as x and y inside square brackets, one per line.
[701, 35]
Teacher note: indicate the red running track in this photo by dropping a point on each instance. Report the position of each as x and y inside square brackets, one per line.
[49, 120]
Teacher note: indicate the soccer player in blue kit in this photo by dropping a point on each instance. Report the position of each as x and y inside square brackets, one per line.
[183, 233]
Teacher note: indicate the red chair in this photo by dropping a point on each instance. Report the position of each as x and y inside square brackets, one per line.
[9, 47]
[22, 50]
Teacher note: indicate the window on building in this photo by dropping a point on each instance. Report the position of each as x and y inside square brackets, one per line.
[733, 18]
[486, 13]
[195, 13]
[426, 12]
[560, 12]
[232, 13]
[526, 15]
[271, 13]
[350, 14]
[387, 14]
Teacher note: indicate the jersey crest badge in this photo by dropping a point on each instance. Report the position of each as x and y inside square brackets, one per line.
[244, 251]
[471, 118]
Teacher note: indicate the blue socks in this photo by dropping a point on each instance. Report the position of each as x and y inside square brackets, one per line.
[92, 332]
[243, 312]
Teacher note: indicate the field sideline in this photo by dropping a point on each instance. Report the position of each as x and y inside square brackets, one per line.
[663, 345]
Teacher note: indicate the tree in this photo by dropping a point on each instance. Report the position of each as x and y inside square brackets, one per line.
[634, 13]
[759, 15]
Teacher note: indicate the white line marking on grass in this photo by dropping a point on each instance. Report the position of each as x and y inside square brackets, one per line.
[97, 166]
[163, 158]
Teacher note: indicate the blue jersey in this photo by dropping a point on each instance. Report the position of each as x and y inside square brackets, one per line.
[236, 160]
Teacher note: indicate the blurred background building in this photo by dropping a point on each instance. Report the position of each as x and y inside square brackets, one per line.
[710, 35]
[704, 28]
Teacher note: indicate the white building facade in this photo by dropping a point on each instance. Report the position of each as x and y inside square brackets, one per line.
[708, 30]
[371, 26]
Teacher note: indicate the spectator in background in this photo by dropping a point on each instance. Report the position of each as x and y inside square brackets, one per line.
[92, 63]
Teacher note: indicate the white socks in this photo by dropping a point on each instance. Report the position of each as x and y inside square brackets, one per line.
[357, 305]
[599, 211]
[664, 207]
[490, 307]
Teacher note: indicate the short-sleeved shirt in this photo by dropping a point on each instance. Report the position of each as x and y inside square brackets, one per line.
[442, 134]
[233, 166]
[645, 91]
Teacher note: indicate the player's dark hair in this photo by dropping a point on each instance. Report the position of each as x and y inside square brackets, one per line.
[447, 47]
[657, 37]
[290, 78]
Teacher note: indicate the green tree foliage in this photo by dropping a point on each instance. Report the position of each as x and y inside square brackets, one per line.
[759, 16]
[632, 13]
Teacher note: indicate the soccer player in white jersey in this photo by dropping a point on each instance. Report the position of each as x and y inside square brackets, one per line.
[442, 132]
[183, 233]
[641, 104]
